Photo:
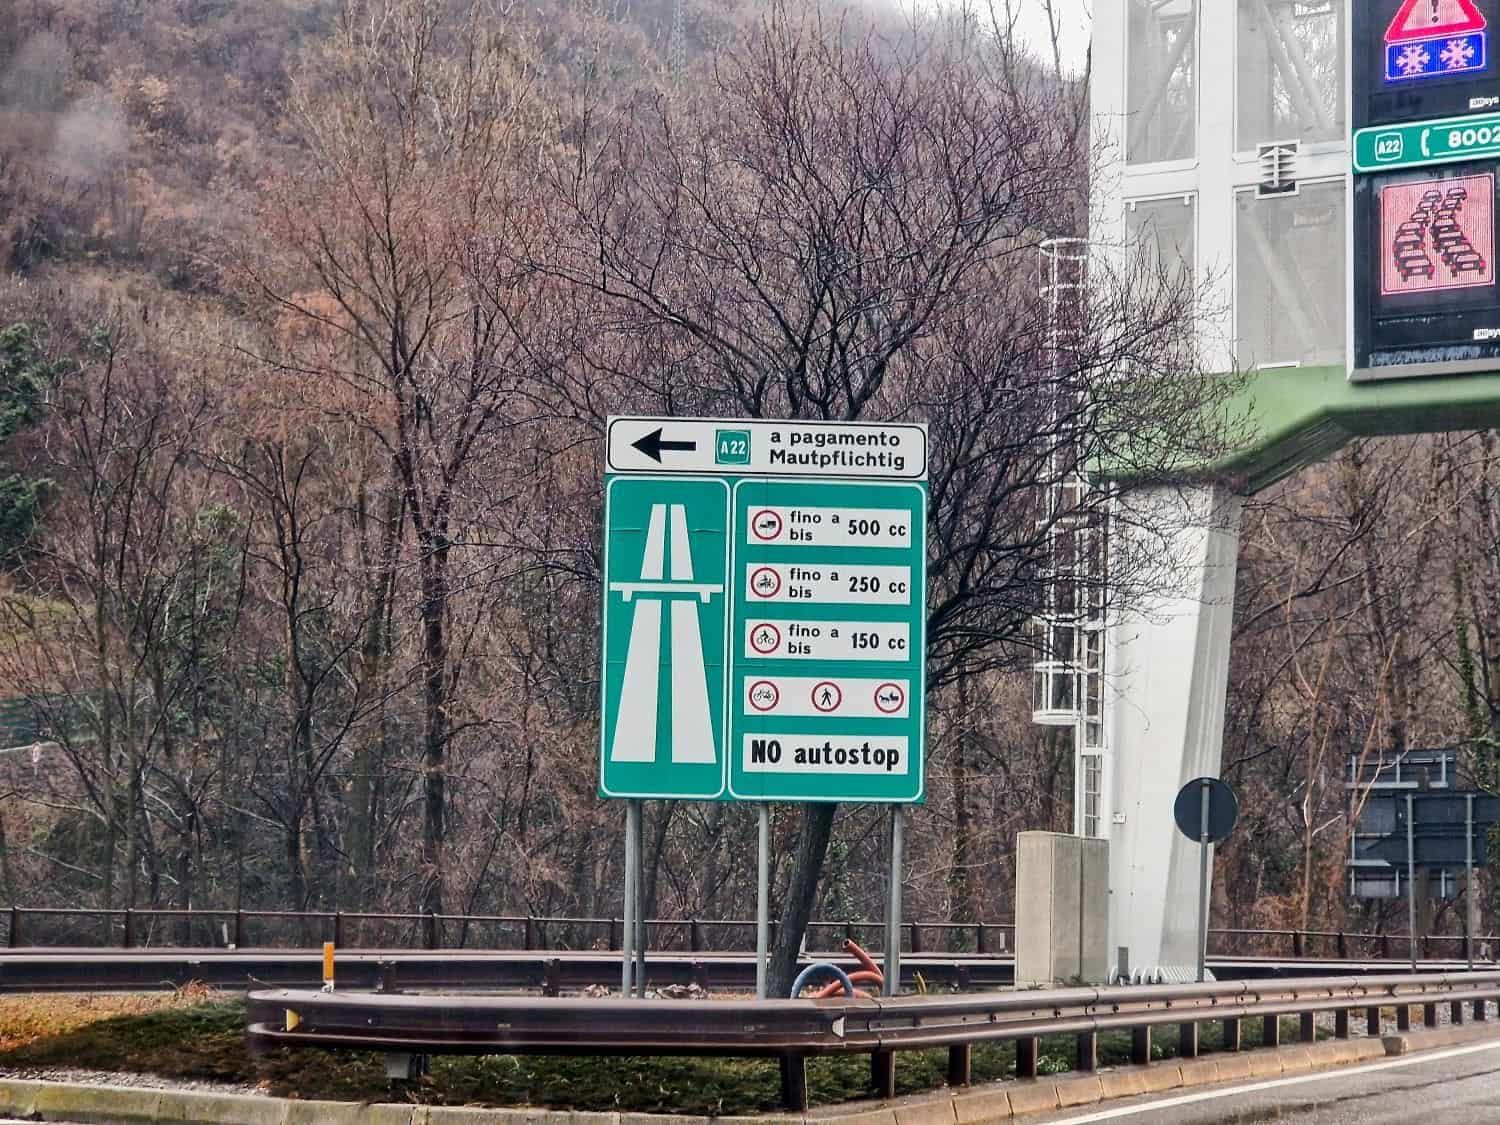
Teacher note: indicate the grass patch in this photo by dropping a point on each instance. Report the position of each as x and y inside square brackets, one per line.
[201, 1036]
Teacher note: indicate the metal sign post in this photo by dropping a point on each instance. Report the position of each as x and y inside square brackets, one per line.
[1469, 902]
[1203, 846]
[762, 900]
[893, 904]
[632, 881]
[1411, 885]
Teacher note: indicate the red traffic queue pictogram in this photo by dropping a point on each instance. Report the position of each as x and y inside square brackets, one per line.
[765, 582]
[827, 696]
[766, 525]
[890, 697]
[763, 695]
[765, 638]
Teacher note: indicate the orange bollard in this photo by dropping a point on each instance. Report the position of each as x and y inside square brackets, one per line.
[328, 966]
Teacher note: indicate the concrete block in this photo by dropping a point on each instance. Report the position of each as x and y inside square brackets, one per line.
[1295, 1059]
[111, 1105]
[1078, 1091]
[1264, 1064]
[16, 1096]
[1160, 1076]
[1396, 1044]
[1369, 1049]
[1032, 1095]
[1233, 1067]
[1199, 1072]
[981, 1106]
[189, 1106]
[1062, 935]
[1122, 1083]
[926, 1111]
[860, 1113]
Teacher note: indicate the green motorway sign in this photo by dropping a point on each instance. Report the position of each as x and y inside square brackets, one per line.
[764, 619]
[1444, 141]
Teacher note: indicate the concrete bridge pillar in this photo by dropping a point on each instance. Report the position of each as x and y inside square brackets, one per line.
[1168, 668]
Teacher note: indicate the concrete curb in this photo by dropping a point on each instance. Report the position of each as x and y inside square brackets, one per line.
[999, 1101]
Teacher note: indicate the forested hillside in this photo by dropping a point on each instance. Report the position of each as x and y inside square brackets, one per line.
[311, 315]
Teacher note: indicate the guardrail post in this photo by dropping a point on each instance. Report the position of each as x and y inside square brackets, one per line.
[794, 1083]
[1372, 1022]
[849, 931]
[338, 928]
[1088, 1051]
[528, 934]
[1456, 1013]
[1299, 949]
[1343, 947]
[239, 929]
[129, 939]
[1270, 1031]
[613, 941]
[1403, 1017]
[1233, 1040]
[430, 939]
[981, 947]
[916, 941]
[14, 937]
[1341, 1024]
[1481, 1011]
[883, 1074]
[1429, 1015]
[1426, 947]
[1187, 1040]
[700, 975]
[695, 936]
[1140, 1045]
[960, 1064]
[1308, 1028]
[1026, 1056]
[551, 976]
[387, 977]
[1385, 946]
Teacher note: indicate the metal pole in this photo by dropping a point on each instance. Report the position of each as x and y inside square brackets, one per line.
[762, 899]
[1203, 845]
[893, 904]
[627, 928]
[641, 930]
[1411, 885]
[1469, 903]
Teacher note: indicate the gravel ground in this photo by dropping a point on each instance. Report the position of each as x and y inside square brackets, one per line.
[124, 1078]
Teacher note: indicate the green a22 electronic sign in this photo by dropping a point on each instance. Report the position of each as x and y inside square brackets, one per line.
[764, 611]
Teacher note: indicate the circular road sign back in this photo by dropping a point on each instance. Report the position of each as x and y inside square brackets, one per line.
[1223, 809]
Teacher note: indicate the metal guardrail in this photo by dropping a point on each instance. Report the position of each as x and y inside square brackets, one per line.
[131, 928]
[794, 1030]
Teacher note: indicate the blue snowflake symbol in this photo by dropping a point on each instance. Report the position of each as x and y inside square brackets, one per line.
[1457, 54]
[1414, 58]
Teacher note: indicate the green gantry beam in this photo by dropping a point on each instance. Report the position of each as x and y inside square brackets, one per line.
[1298, 415]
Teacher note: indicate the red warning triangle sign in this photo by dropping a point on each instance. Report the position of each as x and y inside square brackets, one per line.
[1430, 19]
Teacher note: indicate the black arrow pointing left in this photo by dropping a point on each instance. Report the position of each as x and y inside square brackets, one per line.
[653, 443]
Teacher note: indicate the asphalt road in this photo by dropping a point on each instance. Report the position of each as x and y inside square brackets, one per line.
[1453, 1086]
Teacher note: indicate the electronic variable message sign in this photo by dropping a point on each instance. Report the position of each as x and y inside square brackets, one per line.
[1416, 60]
[1426, 155]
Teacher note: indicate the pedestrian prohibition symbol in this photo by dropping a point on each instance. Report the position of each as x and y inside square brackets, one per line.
[764, 611]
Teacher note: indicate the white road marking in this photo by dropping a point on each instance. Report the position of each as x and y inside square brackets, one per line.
[1276, 1083]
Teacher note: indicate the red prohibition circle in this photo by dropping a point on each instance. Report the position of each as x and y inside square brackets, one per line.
[827, 696]
[755, 582]
[769, 686]
[900, 698]
[772, 532]
[756, 634]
